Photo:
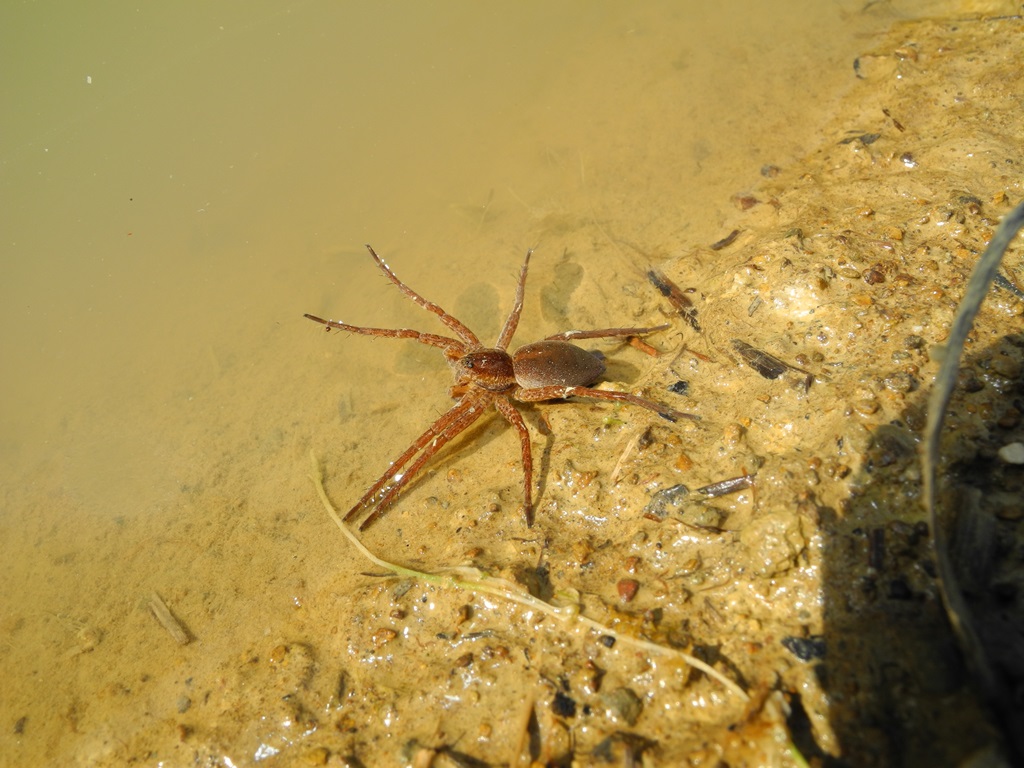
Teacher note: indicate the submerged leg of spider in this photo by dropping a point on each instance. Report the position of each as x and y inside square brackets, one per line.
[468, 411]
[516, 420]
[451, 322]
[431, 339]
[437, 428]
[512, 321]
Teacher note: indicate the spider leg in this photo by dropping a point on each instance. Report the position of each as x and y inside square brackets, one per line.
[452, 323]
[512, 322]
[605, 333]
[430, 339]
[516, 420]
[435, 429]
[558, 393]
[466, 417]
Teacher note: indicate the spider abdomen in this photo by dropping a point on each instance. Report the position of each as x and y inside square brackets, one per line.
[555, 364]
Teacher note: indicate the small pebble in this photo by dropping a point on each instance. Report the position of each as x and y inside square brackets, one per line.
[623, 704]
[563, 706]
[627, 589]
[1012, 453]
[383, 636]
[969, 382]
[665, 501]
[680, 387]
[732, 433]
[848, 272]
[1010, 419]
[805, 648]
[865, 406]
[873, 277]
[1004, 365]
[684, 463]
[900, 382]
[863, 300]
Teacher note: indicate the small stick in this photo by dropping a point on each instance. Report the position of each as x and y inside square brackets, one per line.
[675, 297]
[523, 731]
[643, 346]
[722, 487]
[614, 477]
[167, 621]
[725, 241]
[764, 363]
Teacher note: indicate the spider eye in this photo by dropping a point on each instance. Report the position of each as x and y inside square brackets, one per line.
[469, 363]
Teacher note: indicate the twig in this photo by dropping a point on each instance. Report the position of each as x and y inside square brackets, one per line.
[167, 621]
[614, 477]
[521, 755]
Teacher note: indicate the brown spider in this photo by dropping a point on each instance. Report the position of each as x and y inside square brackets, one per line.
[551, 369]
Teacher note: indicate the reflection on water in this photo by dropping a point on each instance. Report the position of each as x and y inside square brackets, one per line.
[180, 185]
